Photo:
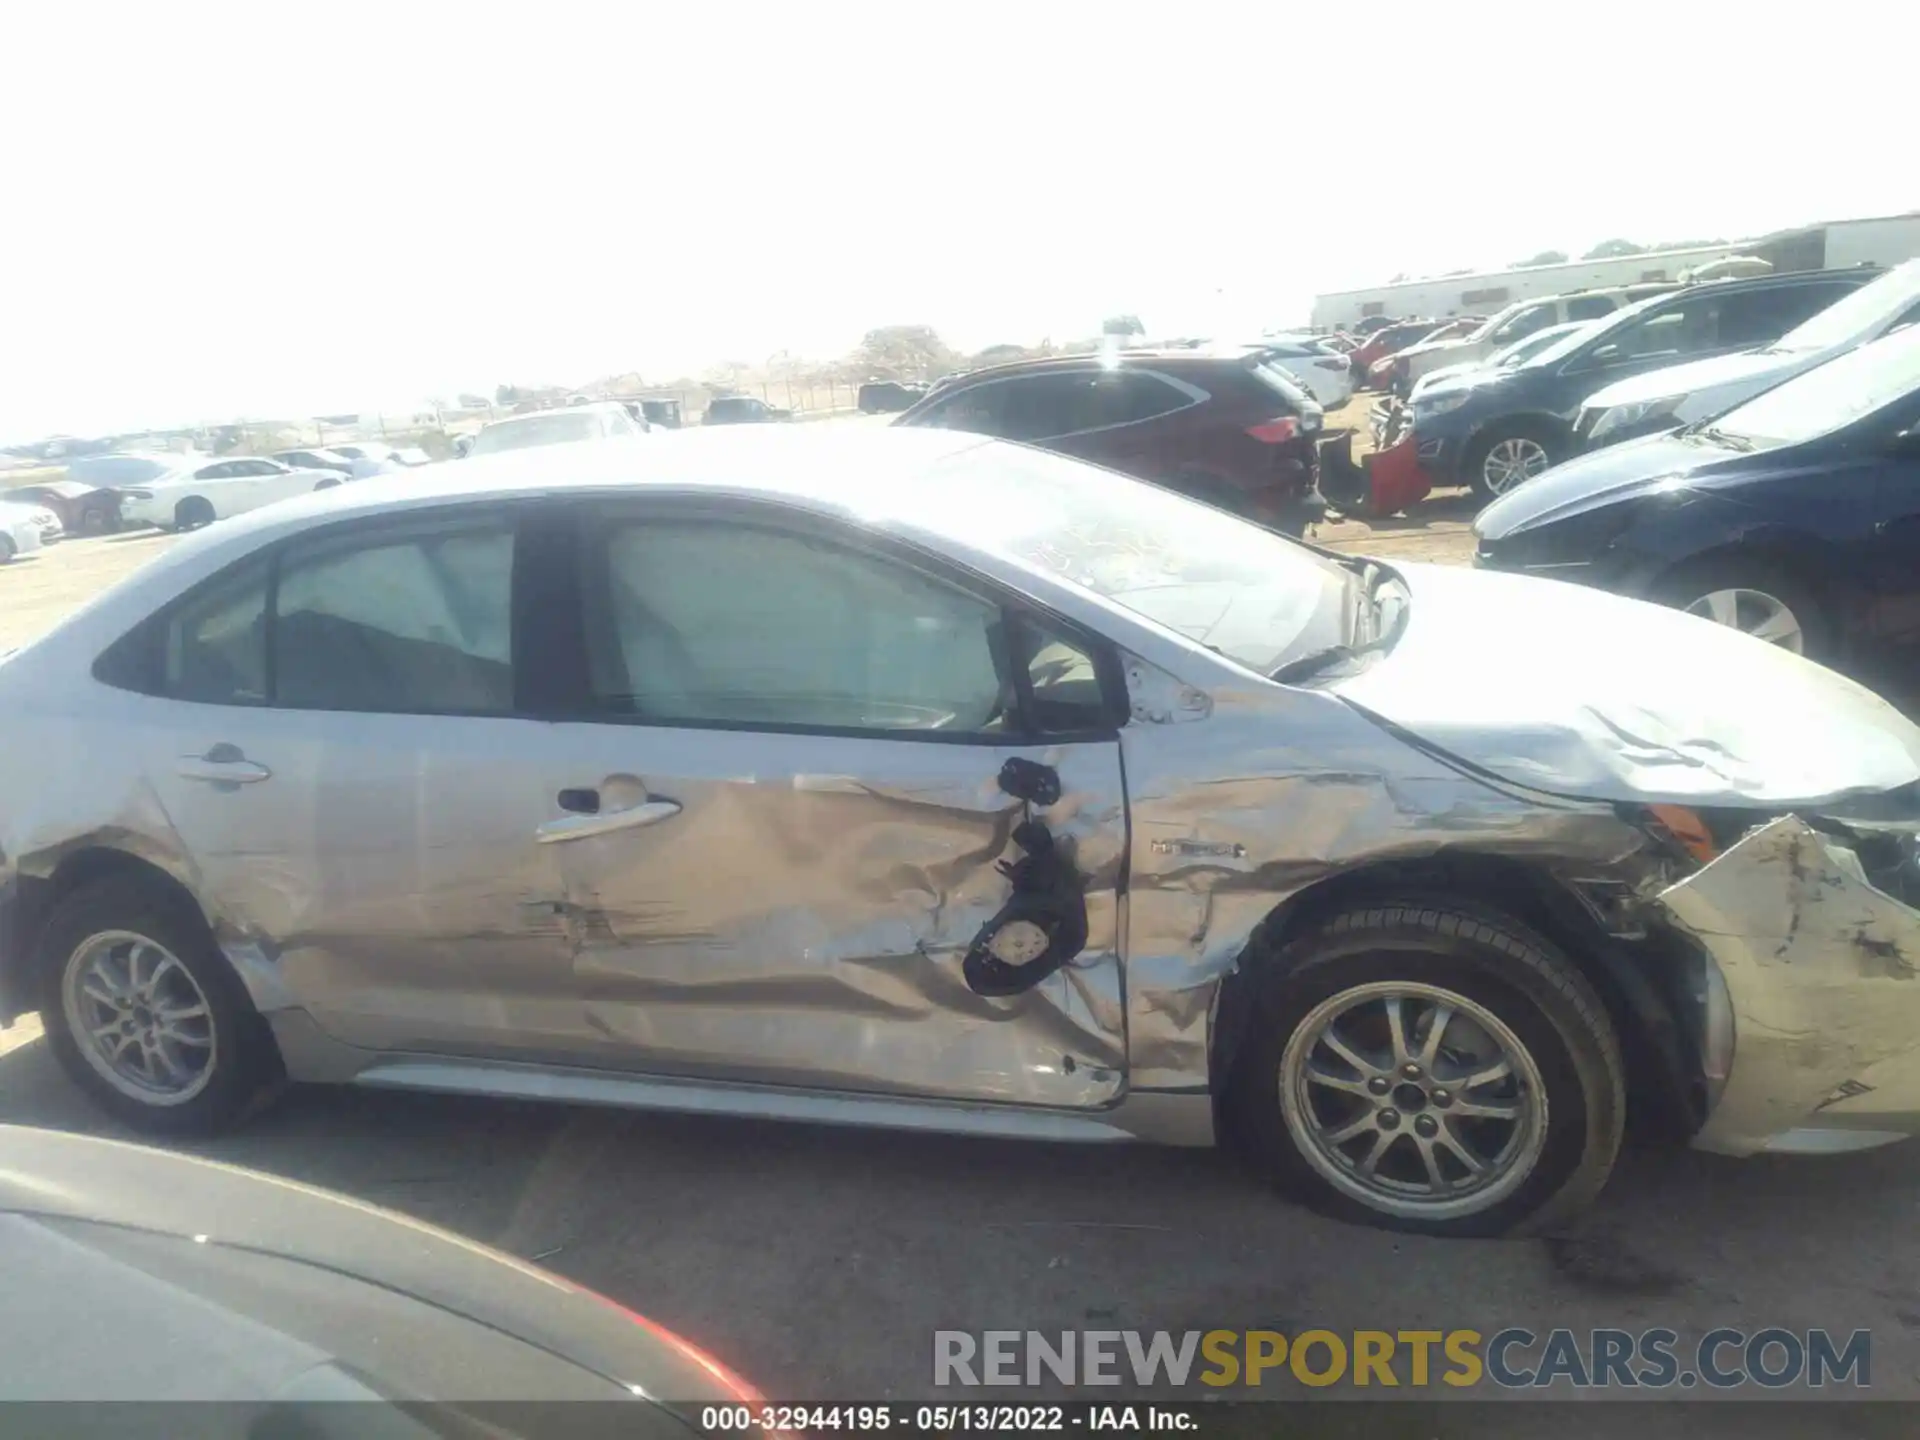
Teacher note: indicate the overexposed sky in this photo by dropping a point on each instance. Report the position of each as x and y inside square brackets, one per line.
[284, 207]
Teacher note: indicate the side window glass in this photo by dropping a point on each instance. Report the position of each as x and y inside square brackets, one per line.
[1062, 679]
[1682, 330]
[976, 410]
[1760, 317]
[1127, 397]
[415, 625]
[696, 623]
[1588, 307]
[214, 648]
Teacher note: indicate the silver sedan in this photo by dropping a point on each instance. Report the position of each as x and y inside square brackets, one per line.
[905, 778]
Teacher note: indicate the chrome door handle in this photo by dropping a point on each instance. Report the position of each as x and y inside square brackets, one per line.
[580, 827]
[220, 771]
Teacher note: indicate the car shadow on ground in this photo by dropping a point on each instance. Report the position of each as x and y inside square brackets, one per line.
[822, 1260]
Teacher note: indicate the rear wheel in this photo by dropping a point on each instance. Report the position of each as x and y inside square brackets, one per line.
[7, 549]
[144, 1013]
[193, 512]
[1757, 597]
[1432, 1068]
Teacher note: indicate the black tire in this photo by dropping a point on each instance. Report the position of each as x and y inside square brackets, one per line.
[1689, 583]
[193, 512]
[1473, 466]
[7, 551]
[1495, 963]
[246, 1072]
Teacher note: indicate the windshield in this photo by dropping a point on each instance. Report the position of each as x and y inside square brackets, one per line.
[559, 427]
[1242, 591]
[1860, 314]
[1829, 396]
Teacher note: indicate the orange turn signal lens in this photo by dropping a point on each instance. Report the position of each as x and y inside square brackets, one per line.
[1689, 829]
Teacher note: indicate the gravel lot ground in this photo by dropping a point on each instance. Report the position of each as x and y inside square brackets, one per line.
[820, 1261]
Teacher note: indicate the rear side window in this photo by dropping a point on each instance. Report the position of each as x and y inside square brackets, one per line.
[1759, 317]
[1589, 307]
[1056, 403]
[420, 624]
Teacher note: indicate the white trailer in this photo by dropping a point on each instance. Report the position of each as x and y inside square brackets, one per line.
[1485, 292]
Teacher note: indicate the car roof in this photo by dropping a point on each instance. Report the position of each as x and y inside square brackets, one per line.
[832, 467]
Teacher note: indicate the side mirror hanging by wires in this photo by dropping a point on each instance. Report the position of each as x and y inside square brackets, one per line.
[1043, 925]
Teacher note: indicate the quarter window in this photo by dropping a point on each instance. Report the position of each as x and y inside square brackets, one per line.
[696, 623]
[214, 648]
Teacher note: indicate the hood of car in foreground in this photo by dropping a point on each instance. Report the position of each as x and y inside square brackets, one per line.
[1581, 693]
[1698, 375]
[267, 1290]
[1604, 477]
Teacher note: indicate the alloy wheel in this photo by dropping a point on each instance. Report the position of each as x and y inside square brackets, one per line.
[1756, 613]
[1511, 461]
[1414, 1100]
[139, 1018]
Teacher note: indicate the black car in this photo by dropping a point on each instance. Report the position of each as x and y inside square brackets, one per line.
[1795, 517]
[136, 1276]
[881, 397]
[1492, 429]
[742, 410]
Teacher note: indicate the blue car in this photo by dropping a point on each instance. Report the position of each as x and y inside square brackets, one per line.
[1795, 517]
[1493, 429]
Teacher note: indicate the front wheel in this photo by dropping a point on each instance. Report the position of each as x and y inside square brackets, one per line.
[1757, 597]
[1430, 1068]
[1505, 458]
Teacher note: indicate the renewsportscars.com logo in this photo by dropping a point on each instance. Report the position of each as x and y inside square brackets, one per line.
[1514, 1358]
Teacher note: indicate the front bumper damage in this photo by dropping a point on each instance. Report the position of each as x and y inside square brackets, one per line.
[1812, 1006]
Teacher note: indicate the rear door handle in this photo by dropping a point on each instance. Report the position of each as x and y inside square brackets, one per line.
[221, 765]
[581, 827]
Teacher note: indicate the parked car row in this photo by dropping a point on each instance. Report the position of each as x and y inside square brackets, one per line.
[1493, 428]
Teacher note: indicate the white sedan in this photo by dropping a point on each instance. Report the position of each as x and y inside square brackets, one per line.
[25, 528]
[188, 499]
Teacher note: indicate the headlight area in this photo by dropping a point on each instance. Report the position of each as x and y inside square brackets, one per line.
[1618, 420]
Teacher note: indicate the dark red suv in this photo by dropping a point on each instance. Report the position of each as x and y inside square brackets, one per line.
[1224, 425]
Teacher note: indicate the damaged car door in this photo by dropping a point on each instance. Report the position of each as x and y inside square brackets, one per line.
[801, 760]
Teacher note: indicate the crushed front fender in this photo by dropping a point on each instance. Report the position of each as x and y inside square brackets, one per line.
[1813, 996]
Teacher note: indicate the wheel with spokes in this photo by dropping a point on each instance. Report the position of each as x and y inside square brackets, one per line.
[1508, 456]
[146, 1015]
[1431, 1068]
[1756, 597]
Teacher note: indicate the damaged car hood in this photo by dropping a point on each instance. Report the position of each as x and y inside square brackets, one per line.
[1581, 693]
